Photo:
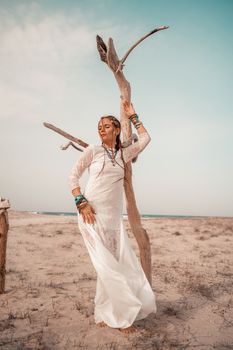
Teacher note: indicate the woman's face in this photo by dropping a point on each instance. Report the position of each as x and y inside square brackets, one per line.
[107, 131]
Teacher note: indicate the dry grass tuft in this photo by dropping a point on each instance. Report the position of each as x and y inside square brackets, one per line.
[223, 345]
[6, 324]
[177, 233]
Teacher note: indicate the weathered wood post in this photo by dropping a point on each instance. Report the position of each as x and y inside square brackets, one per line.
[4, 226]
[109, 56]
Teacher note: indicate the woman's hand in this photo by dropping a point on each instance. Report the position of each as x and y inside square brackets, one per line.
[88, 214]
[128, 108]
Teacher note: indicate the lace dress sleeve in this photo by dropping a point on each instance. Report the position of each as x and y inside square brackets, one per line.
[80, 166]
[133, 150]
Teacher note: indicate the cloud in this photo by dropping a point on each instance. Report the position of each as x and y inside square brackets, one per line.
[38, 54]
[44, 40]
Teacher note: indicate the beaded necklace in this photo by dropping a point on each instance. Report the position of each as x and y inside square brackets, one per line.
[111, 154]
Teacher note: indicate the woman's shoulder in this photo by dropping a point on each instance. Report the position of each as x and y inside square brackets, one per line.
[95, 149]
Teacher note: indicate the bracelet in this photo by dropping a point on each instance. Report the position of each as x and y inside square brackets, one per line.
[81, 203]
[138, 124]
[134, 118]
[78, 199]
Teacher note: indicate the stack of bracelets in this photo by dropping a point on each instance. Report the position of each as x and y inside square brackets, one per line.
[135, 120]
[80, 202]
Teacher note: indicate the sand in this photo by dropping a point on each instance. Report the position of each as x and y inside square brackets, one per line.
[50, 286]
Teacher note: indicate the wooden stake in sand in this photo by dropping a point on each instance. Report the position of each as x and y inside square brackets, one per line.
[109, 56]
[4, 226]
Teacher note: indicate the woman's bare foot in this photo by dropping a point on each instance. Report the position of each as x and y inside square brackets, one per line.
[128, 330]
[102, 324]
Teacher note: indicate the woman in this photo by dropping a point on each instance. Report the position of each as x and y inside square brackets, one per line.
[123, 293]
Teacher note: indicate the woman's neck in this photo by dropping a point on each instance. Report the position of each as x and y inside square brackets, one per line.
[109, 145]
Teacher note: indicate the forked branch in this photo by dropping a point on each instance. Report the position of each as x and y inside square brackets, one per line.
[118, 66]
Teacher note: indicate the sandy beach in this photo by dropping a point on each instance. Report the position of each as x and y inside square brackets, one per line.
[50, 286]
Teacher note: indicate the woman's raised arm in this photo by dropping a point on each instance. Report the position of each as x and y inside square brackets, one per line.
[144, 138]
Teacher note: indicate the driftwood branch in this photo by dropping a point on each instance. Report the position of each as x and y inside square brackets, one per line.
[67, 145]
[109, 56]
[66, 135]
[102, 48]
[128, 142]
[121, 65]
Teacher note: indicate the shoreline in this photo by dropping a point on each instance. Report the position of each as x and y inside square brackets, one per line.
[125, 216]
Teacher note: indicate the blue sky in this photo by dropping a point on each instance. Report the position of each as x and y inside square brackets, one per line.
[181, 82]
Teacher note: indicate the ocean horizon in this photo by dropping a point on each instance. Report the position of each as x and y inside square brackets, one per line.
[144, 216]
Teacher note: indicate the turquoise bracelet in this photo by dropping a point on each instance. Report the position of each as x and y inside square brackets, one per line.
[78, 198]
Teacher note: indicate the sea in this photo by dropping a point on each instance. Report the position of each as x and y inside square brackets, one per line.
[125, 216]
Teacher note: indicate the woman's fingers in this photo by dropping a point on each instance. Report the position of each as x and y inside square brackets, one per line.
[84, 218]
[92, 217]
[125, 103]
[89, 218]
[88, 214]
[128, 107]
[93, 210]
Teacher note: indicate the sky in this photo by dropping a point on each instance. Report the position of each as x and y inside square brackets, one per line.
[181, 81]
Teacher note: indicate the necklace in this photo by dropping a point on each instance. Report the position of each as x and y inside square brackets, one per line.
[111, 154]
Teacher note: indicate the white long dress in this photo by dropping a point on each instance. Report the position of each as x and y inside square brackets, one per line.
[123, 293]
